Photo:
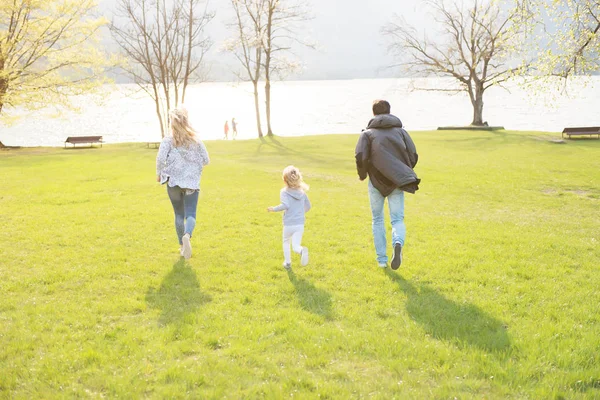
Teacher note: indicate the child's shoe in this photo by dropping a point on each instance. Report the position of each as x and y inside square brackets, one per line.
[382, 265]
[186, 249]
[304, 256]
[287, 266]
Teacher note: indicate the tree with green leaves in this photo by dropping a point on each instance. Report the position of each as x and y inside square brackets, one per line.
[567, 35]
[48, 52]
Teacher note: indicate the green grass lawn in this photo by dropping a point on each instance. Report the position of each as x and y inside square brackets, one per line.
[498, 295]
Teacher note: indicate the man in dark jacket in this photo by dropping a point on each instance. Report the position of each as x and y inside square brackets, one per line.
[386, 153]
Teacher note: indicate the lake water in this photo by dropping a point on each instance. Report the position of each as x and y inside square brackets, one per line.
[309, 108]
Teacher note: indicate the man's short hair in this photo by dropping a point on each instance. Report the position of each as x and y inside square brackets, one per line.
[381, 107]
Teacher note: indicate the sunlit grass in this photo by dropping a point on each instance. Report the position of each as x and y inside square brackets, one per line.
[498, 295]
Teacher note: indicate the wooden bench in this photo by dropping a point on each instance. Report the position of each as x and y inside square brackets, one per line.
[74, 140]
[582, 131]
[154, 145]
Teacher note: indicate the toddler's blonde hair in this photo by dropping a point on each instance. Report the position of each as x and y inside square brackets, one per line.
[293, 178]
[182, 131]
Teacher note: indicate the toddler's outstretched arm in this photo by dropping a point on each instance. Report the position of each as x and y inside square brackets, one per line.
[282, 206]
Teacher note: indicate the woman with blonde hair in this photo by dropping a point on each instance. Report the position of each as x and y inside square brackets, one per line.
[294, 204]
[179, 163]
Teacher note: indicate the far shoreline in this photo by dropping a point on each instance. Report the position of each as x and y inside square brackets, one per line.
[534, 134]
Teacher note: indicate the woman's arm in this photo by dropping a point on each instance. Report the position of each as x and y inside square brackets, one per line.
[204, 158]
[161, 158]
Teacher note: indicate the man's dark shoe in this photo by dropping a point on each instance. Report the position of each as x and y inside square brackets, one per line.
[397, 257]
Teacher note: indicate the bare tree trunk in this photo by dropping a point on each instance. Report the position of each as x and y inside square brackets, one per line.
[478, 113]
[477, 107]
[255, 79]
[1, 105]
[165, 79]
[3, 89]
[268, 104]
[3, 86]
[152, 77]
[257, 109]
[159, 115]
[268, 55]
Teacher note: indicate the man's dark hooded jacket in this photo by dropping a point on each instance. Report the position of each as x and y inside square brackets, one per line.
[386, 153]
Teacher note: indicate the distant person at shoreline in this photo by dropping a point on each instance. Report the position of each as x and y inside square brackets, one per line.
[233, 128]
[294, 204]
[226, 129]
[179, 163]
[386, 153]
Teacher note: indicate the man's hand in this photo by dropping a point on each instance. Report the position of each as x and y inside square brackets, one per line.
[270, 209]
[158, 178]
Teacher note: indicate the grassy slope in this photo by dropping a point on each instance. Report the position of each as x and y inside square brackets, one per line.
[497, 297]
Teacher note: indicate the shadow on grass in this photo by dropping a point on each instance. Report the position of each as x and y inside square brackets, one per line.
[179, 294]
[312, 299]
[584, 385]
[502, 137]
[499, 137]
[464, 324]
[271, 141]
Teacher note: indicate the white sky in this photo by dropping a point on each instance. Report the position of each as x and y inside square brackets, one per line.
[347, 33]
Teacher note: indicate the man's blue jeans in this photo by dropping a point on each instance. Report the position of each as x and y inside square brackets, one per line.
[396, 205]
[184, 206]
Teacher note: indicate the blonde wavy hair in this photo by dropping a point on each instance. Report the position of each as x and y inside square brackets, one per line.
[182, 131]
[293, 178]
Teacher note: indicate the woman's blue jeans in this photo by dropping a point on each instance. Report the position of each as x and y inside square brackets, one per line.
[184, 206]
[396, 206]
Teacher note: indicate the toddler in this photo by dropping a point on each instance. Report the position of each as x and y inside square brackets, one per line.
[294, 204]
